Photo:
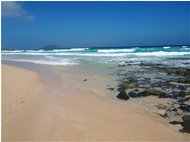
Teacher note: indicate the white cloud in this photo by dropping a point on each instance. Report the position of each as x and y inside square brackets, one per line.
[15, 9]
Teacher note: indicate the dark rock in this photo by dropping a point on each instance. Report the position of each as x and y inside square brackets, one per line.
[154, 92]
[186, 123]
[182, 88]
[110, 88]
[185, 107]
[174, 109]
[182, 72]
[185, 81]
[127, 84]
[143, 94]
[133, 94]
[136, 89]
[121, 87]
[174, 95]
[175, 122]
[85, 80]
[123, 95]
[185, 93]
[184, 99]
[186, 118]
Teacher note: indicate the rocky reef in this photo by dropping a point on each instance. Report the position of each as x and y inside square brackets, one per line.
[160, 81]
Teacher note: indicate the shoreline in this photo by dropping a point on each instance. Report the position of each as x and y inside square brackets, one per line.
[73, 114]
[21, 89]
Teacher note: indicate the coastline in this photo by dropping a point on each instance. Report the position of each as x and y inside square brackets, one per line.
[71, 114]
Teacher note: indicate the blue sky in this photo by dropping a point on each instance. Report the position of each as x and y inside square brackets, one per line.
[84, 24]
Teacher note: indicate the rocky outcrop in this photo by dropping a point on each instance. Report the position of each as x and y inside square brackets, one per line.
[182, 72]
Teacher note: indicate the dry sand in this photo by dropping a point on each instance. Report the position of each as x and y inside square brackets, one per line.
[32, 111]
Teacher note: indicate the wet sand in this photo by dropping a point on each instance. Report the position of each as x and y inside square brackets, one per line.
[35, 111]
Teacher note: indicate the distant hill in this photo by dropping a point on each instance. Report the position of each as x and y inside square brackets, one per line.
[49, 47]
[7, 49]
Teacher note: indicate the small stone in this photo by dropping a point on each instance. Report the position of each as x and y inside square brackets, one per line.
[85, 80]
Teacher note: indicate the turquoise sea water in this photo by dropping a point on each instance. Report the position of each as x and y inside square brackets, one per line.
[174, 56]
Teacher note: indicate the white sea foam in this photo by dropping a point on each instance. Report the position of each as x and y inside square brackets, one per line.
[41, 50]
[52, 62]
[46, 62]
[166, 47]
[162, 53]
[78, 49]
[12, 51]
[184, 46]
[97, 54]
[48, 51]
[57, 57]
[115, 50]
[59, 50]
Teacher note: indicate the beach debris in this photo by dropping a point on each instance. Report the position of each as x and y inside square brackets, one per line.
[85, 80]
[123, 95]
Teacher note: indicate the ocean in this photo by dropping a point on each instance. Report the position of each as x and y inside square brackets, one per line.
[136, 75]
[172, 56]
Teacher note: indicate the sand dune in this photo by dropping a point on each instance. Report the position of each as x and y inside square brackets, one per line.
[32, 111]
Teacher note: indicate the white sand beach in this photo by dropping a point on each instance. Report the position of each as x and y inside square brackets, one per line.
[32, 111]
